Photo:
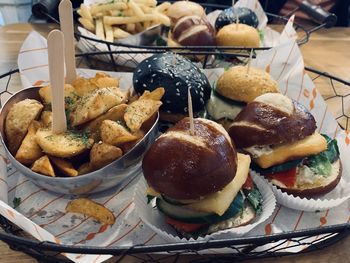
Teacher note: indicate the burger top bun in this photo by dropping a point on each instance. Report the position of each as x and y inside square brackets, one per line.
[184, 8]
[271, 119]
[237, 85]
[240, 35]
[229, 16]
[184, 166]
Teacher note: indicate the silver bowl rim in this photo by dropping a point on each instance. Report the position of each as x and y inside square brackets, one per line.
[38, 176]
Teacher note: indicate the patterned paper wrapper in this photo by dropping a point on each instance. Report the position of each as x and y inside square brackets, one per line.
[271, 37]
[156, 221]
[42, 213]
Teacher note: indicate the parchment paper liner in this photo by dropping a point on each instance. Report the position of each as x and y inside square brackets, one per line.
[155, 220]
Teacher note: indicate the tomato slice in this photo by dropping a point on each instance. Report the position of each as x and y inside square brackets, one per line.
[187, 227]
[249, 185]
[288, 177]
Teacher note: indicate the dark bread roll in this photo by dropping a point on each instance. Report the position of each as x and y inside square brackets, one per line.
[193, 31]
[229, 16]
[271, 119]
[327, 185]
[175, 74]
[184, 8]
[183, 166]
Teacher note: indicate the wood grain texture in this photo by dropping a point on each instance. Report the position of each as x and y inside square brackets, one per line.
[328, 50]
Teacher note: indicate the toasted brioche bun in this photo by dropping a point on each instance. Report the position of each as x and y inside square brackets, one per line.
[184, 166]
[321, 188]
[184, 8]
[240, 35]
[237, 85]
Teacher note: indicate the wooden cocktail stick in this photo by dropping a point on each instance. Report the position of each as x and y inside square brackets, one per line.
[190, 112]
[55, 44]
[66, 20]
[249, 61]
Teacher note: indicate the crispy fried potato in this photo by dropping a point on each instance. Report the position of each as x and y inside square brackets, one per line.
[95, 103]
[129, 145]
[64, 145]
[103, 80]
[84, 169]
[43, 166]
[18, 120]
[46, 118]
[64, 166]
[140, 111]
[69, 94]
[156, 94]
[29, 151]
[102, 154]
[91, 209]
[115, 114]
[115, 134]
[83, 86]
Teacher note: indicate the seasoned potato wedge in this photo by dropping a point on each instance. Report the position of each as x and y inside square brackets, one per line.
[101, 80]
[64, 166]
[104, 81]
[115, 134]
[83, 86]
[94, 104]
[92, 209]
[64, 145]
[46, 118]
[84, 169]
[18, 120]
[43, 166]
[156, 94]
[140, 111]
[115, 114]
[29, 151]
[69, 94]
[102, 154]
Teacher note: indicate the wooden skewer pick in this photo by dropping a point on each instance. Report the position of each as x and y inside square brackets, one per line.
[190, 112]
[233, 2]
[66, 20]
[237, 21]
[249, 61]
[55, 44]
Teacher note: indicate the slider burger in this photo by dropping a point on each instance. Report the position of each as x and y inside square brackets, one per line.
[234, 89]
[175, 74]
[239, 35]
[281, 137]
[184, 8]
[200, 183]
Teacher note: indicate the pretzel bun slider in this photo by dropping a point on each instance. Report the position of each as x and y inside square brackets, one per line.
[280, 135]
[197, 179]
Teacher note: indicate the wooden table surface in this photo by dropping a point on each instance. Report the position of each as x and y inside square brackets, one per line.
[327, 50]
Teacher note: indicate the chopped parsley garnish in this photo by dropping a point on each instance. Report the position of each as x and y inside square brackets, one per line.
[16, 202]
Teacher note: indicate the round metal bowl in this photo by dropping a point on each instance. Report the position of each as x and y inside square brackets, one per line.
[109, 176]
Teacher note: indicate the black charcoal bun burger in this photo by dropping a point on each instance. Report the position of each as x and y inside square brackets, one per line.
[201, 184]
[176, 74]
[229, 16]
[234, 89]
[281, 137]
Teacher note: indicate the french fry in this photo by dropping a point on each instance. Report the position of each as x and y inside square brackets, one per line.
[87, 24]
[151, 3]
[130, 20]
[109, 33]
[163, 19]
[99, 29]
[139, 27]
[120, 33]
[163, 7]
[131, 27]
[136, 9]
[95, 9]
[146, 9]
[146, 24]
[90, 208]
[85, 12]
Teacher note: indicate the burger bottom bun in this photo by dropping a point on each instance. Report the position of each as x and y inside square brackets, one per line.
[240, 35]
[329, 184]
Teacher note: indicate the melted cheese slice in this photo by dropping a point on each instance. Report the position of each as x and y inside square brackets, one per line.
[310, 145]
[220, 201]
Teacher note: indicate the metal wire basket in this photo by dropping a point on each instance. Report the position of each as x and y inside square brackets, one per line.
[242, 248]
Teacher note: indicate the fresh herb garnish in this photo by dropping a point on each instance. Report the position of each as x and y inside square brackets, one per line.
[16, 202]
[261, 34]
[82, 136]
